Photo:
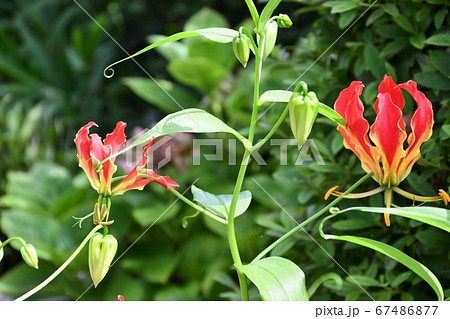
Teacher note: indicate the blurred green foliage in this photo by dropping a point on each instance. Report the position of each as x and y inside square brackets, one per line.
[51, 83]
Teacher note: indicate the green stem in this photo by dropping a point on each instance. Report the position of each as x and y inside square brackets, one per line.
[12, 239]
[197, 207]
[272, 131]
[231, 233]
[310, 219]
[61, 268]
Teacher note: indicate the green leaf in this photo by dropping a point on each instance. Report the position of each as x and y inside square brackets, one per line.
[267, 13]
[346, 18]
[277, 279]
[391, 9]
[433, 237]
[432, 80]
[353, 224]
[400, 278]
[374, 61]
[202, 73]
[221, 35]
[171, 50]
[397, 255]
[394, 47]
[341, 5]
[162, 93]
[441, 61]
[205, 18]
[418, 40]
[439, 18]
[404, 23]
[374, 16]
[253, 11]
[188, 120]
[363, 281]
[283, 96]
[439, 40]
[219, 205]
[445, 132]
[326, 277]
[437, 217]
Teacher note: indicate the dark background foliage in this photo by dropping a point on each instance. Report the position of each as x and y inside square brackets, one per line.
[52, 56]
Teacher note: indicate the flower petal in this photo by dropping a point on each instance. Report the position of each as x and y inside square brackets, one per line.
[133, 181]
[421, 128]
[100, 152]
[388, 131]
[84, 144]
[117, 138]
[350, 107]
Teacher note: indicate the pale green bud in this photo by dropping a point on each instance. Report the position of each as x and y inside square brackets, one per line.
[303, 109]
[284, 21]
[29, 255]
[102, 250]
[241, 48]
[270, 38]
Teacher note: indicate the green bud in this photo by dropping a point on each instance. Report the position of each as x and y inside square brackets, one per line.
[270, 38]
[29, 255]
[102, 250]
[284, 21]
[303, 111]
[241, 48]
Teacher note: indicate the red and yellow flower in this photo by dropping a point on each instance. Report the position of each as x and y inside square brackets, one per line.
[381, 151]
[96, 158]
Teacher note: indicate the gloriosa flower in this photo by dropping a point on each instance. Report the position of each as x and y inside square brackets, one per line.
[388, 135]
[95, 159]
[93, 152]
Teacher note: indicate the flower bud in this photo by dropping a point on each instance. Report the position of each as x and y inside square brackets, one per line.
[102, 250]
[29, 255]
[270, 38]
[303, 109]
[284, 21]
[241, 48]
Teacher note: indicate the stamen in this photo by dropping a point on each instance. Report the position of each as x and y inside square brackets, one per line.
[444, 196]
[330, 191]
[388, 202]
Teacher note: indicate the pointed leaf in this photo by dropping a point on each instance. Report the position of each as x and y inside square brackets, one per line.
[221, 35]
[267, 13]
[437, 217]
[277, 279]
[188, 120]
[397, 255]
[219, 205]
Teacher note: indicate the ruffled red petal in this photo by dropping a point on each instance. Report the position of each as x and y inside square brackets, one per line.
[350, 107]
[421, 128]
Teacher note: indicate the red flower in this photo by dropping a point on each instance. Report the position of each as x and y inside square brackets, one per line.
[94, 158]
[120, 298]
[387, 136]
[388, 132]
